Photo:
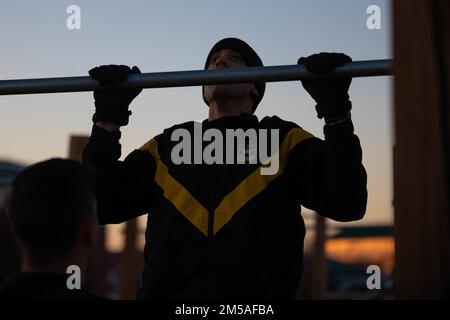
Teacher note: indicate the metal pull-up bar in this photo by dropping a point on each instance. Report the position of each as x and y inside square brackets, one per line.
[368, 68]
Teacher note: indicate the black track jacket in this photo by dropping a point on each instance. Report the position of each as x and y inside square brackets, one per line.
[218, 231]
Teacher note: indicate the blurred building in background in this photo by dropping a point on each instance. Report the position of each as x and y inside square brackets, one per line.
[337, 257]
[348, 255]
[116, 265]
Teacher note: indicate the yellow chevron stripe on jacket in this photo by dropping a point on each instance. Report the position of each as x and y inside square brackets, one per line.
[250, 187]
[255, 182]
[176, 193]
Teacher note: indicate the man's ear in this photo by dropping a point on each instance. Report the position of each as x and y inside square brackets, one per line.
[204, 96]
[255, 92]
[89, 232]
[11, 224]
[16, 234]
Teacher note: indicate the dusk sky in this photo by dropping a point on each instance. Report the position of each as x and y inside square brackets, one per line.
[177, 35]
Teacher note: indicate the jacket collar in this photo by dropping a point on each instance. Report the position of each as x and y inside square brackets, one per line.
[243, 121]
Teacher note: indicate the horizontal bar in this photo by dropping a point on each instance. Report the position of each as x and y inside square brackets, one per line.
[368, 68]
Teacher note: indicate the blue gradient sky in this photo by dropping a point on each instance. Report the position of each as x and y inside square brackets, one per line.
[177, 35]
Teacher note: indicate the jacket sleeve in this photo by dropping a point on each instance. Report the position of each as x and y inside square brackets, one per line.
[328, 176]
[124, 189]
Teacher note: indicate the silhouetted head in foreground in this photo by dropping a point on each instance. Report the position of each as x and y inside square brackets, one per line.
[52, 213]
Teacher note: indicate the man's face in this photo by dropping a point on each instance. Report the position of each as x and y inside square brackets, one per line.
[227, 58]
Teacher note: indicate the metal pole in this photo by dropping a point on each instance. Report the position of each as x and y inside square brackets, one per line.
[368, 68]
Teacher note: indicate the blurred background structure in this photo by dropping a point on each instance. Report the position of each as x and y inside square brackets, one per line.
[422, 149]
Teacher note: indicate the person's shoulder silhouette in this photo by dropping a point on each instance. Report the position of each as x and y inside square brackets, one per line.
[52, 214]
[40, 286]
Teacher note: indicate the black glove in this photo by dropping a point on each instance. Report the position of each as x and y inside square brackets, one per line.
[330, 94]
[112, 104]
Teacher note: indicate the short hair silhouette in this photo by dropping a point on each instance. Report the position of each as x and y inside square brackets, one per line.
[47, 205]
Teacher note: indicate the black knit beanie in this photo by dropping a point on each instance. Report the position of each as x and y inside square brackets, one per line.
[250, 56]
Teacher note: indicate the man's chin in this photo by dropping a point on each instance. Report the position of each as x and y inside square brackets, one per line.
[227, 91]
